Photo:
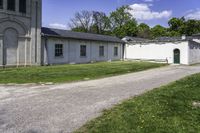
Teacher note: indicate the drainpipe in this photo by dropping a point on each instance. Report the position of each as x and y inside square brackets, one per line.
[45, 50]
[123, 51]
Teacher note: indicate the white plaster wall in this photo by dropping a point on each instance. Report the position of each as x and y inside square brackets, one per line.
[72, 51]
[194, 52]
[158, 51]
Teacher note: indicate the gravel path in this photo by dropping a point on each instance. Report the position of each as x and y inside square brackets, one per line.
[64, 108]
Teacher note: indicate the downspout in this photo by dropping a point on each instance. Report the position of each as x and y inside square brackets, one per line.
[123, 51]
[188, 47]
[46, 51]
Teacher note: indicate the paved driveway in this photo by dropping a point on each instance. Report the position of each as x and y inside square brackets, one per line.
[65, 107]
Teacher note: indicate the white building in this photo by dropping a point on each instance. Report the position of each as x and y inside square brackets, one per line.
[185, 50]
[62, 46]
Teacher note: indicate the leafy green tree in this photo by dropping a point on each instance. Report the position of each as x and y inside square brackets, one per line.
[128, 29]
[143, 31]
[176, 24]
[79, 29]
[173, 33]
[158, 31]
[101, 22]
[180, 26]
[192, 27]
[122, 22]
[120, 17]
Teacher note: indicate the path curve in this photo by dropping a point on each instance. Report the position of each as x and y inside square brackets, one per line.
[65, 107]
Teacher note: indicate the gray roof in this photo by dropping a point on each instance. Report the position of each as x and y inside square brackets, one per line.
[196, 35]
[157, 40]
[173, 39]
[78, 35]
[135, 39]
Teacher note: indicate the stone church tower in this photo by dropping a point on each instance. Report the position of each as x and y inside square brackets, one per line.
[20, 32]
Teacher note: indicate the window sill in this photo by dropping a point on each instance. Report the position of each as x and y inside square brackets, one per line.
[14, 13]
[58, 57]
[83, 56]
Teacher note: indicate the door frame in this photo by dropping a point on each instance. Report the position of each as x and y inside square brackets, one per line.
[178, 54]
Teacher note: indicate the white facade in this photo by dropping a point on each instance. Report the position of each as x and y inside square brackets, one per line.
[164, 51]
[71, 51]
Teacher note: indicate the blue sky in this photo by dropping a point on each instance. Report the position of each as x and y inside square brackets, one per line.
[57, 13]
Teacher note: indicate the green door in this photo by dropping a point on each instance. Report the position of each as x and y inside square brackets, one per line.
[176, 56]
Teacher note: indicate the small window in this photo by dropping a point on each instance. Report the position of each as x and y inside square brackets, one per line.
[83, 50]
[58, 50]
[101, 50]
[115, 51]
[22, 6]
[1, 4]
[11, 5]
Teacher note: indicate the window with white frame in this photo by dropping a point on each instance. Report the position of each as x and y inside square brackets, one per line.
[11, 5]
[58, 50]
[83, 49]
[101, 51]
[115, 51]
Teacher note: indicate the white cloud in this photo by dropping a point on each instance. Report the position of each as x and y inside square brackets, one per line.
[58, 26]
[193, 14]
[143, 12]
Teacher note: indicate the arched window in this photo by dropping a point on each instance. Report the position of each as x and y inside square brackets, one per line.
[11, 5]
[1, 4]
[22, 6]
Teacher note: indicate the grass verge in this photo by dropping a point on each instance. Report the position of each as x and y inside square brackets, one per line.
[70, 73]
[168, 109]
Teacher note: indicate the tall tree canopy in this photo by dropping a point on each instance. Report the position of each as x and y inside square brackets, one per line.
[82, 21]
[144, 31]
[121, 23]
[120, 17]
[158, 31]
[101, 22]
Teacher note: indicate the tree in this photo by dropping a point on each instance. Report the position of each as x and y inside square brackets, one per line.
[144, 31]
[176, 24]
[158, 31]
[128, 29]
[180, 26]
[173, 34]
[82, 21]
[192, 27]
[123, 23]
[120, 17]
[101, 22]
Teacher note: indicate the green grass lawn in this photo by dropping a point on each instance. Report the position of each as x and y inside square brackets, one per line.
[70, 73]
[168, 109]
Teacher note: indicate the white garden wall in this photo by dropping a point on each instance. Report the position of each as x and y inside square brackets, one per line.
[158, 51]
